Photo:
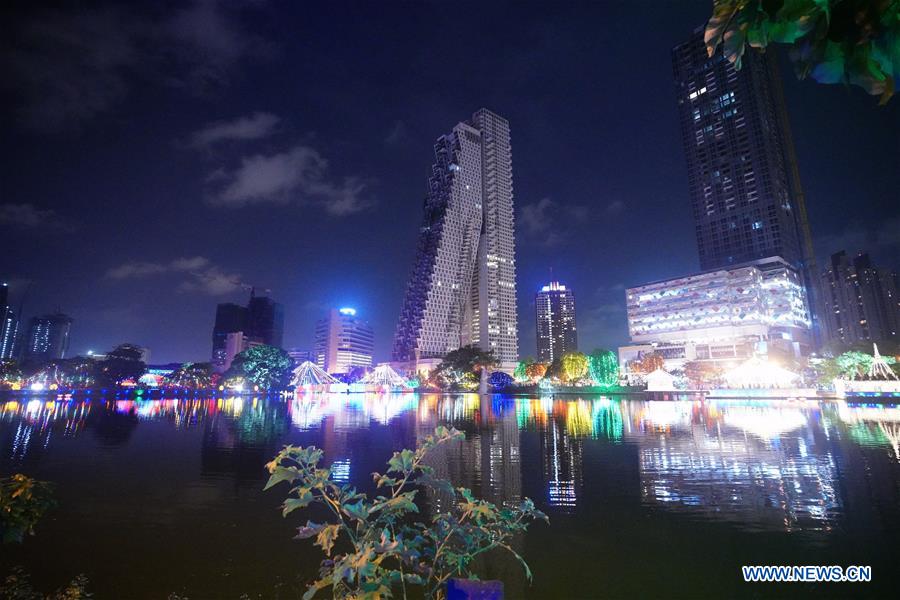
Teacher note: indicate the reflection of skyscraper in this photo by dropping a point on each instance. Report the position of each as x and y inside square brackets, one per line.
[48, 337]
[749, 464]
[742, 170]
[343, 341]
[8, 324]
[462, 288]
[555, 312]
[562, 462]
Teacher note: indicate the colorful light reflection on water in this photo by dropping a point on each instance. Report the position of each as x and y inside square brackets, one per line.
[789, 467]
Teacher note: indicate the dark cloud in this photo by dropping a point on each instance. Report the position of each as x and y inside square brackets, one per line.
[298, 174]
[253, 127]
[197, 272]
[68, 66]
[28, 216]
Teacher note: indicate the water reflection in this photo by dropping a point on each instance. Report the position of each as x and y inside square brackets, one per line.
[760, 465]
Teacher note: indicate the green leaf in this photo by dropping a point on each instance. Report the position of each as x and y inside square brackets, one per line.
[308, 530]
[280, 474]
[292, 504]
[356, 510]
[327, 536]
[400, 504]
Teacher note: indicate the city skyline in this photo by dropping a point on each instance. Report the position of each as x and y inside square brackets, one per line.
[137, 221]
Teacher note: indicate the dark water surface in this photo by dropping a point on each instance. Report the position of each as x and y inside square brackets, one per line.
[646, 499]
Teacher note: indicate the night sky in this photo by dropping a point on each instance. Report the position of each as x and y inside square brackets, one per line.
[153, 160]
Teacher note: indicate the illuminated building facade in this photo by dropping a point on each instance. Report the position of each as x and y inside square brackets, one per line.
[463, 284]
[725, 314]
[861, 301]
[48, 337]
[9, 325]
[555, 321]
[745, 189]
[343, 341]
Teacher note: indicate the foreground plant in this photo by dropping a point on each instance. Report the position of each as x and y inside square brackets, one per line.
[23, 501]
[375, 547]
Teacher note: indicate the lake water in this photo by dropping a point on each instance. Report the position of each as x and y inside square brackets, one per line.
[646, 499]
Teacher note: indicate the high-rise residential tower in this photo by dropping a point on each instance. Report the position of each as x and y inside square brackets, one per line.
[265, 321]
[8, 324]
[48, 337]
[555, 327]
[228, 334]
[745, 189]
[861, 301]
[463, 285]
[343, 341]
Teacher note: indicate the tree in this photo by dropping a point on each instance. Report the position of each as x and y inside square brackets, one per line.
[833, 41]
[265, 366]
[521, 371]
[10, 374]
[603, 367]
[191, 376]
[121, 363]
[703, 373]
[649, 362]
[467, 359]
[536, 371]
[500, 380]
[23, 501]
[574, 366]
[356, 373]
[378, 547]
[80, 372]
[854, 364]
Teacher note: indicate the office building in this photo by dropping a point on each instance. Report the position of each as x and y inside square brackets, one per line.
[724, 315]
[744, 184]
[300, 356]
[343, 341]
[48, 338]
[462, 289]
[555, 322]
[239, 327]
[265, 321]
[9, 325]
[230, 319]
[861, 301]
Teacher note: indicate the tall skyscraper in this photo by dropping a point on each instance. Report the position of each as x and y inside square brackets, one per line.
[239, 327]
[745, 189]
[555, 327]
[463, 285]
[48, 337]
[861, 301]
[9, 324]
[265, 321]
[231, 321]
[343, 341]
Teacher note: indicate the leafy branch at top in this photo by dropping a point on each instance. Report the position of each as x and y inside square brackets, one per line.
[832, 41]
[375, 547]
